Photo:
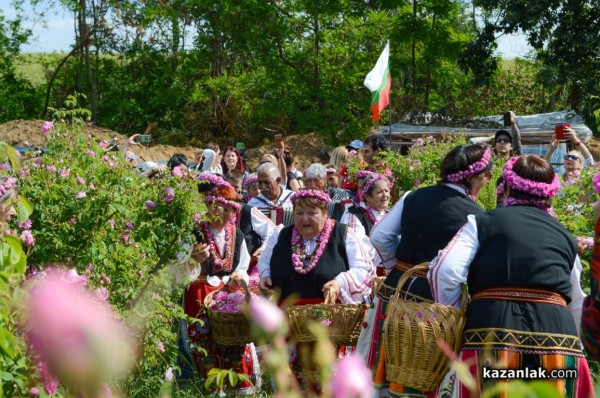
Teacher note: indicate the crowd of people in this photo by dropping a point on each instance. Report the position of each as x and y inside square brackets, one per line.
[325, 234]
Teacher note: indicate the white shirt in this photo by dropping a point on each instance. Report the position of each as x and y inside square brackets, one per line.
[449, 270]
[283, 200]
[262, 225]
[355, 283]
[359, 230]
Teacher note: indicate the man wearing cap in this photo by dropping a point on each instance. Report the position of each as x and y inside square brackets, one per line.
[503, 141]
[324, 158]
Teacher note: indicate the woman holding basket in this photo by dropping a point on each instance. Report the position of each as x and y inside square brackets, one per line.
[526, 299]
[417, 227]
[219, 257]
[316, 257]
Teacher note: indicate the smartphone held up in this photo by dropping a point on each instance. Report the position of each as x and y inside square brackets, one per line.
[559, 131]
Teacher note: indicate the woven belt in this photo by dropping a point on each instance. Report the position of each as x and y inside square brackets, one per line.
[402, 266]
[520, 294]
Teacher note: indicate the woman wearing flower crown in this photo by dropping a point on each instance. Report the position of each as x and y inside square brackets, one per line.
[523, 272]
[418, 226]
[315, 257]
[219, 257]
[375, 194]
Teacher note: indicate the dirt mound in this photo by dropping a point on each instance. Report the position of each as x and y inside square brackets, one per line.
[305, 148]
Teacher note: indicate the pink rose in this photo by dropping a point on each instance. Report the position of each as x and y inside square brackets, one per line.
[169, 374]
[64, 173]
[80, 195]
[102, 293]
[161, 346]
[27, 238]
[150, 205]
[47, 126]
[266, 314]
[51, 168]
[168, 195]
[351, 379]
[34, 392]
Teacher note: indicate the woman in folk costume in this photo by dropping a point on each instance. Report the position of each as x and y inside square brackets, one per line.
[418, 226]
[375, 194]
[315, 257]
[256, 227]
[522, 271]
[220, 256]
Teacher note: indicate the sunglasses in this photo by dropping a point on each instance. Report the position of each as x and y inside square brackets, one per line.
[571, 157]
[502, 141]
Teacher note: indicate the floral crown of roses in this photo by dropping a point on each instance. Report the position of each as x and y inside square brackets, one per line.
[371, 180]
[500, 189]
[473, 168]
[230, 203]
[207, 181]
[363, 174]
[310, 193]
[331, 170]
[249, 181]
[535, 188]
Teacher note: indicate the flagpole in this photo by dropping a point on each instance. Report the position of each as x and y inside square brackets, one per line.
[390, 118]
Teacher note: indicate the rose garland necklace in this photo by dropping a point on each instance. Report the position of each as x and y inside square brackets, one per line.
[221, 263]
[371, 215]
[299, 256]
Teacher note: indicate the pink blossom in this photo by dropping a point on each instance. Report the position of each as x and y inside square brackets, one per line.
[102, 293]
[126, 236]
[72, 276]
[161, 346]
[80, 180]
[326, 322]
[197, 217]
[150, 205]
[73, 221]
[169, 374]
[24, 172]
[51, 168]
[419, 142]
[34, 392]
[105, 280]
[74, 333]
[65, 173]
[590, 242]
[102, 144]
[351, 379]
[112, 165]
[111, 222]
[27, 238]
[105, 158]
[90, 153]
[168, 195]
[417, 182]
[176, 172]
[25, 225]
[80, 195]
[266, 314]
[47, 126]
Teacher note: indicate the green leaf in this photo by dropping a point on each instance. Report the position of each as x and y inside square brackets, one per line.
[15, 160]
[24, 209]
[7, 342]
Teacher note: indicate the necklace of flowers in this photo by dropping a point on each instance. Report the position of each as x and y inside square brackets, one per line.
[299, 257]
[370, 214]
[513, 201]
[220, 262]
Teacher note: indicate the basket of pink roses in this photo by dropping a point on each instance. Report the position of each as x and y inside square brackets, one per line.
[225, 310]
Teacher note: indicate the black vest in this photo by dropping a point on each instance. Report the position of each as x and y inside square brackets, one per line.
[430, 218]
[239, 238]
[360, 213]
[253, 240]
[522, 246]
[333, 262]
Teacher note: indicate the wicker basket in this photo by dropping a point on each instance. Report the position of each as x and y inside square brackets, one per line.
[376, 283]
[229, 328]
[411, 330]
[345, 321]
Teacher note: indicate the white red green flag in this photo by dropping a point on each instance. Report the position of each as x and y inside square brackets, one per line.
[379, 82]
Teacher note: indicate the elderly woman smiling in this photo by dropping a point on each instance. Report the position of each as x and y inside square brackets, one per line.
[315, 256]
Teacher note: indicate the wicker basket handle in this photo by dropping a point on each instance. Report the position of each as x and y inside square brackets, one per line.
[407, 274]
[330, 298]
[244, 288]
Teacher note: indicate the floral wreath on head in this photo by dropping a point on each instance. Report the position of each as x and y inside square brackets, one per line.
[235, 205]
[371, 180]
[364, 174]
[206, 178]
[473, 168]
[535, 188]
[310, 193]
[331, 170]
[249, 181]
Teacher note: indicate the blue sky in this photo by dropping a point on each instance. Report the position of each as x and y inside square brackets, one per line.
[58, 34]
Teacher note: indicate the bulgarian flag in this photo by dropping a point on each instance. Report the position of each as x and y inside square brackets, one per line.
[379, 82]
